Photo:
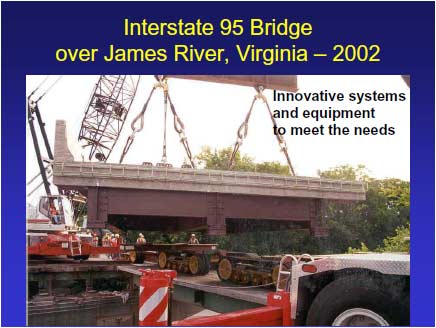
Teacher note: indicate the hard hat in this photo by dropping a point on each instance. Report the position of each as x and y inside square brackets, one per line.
[193, 235]
[141, 235]
[117, 235]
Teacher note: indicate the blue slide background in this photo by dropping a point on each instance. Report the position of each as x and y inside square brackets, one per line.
[32, 31]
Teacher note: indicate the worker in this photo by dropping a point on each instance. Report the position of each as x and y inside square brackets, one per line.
[193, 240]
[115, 243]
[106, 240]
[115, 240]
[94, 240]
[119, 239]
[141, 240]
[54, 214]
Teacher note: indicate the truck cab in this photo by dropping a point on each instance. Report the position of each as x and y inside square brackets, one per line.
[367, 289]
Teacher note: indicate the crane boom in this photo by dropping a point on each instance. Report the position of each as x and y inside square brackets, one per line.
[32, 111]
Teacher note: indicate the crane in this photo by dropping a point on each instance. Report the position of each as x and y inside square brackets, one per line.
[54, 232]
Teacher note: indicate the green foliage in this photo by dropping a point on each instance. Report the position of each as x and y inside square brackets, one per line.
[219, 160]
[363, 249]
[386, 207]
[269, 242]
[346, 172]
[398, 243]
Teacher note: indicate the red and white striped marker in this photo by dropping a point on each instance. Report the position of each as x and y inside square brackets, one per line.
[154, 297]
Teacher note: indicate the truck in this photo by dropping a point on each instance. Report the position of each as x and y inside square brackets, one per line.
[370, 289]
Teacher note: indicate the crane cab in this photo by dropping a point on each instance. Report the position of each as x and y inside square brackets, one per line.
[57, 210]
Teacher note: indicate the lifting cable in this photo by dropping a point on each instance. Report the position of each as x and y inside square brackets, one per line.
[135, 129]
[45, 92]
[243, 131]
[138, 122]
[49, 88]
[39, 85]
[164, 146]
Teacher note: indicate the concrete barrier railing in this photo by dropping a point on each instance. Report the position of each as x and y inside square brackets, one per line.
[202, 176]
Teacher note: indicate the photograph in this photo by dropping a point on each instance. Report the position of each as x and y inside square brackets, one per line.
[218, 200]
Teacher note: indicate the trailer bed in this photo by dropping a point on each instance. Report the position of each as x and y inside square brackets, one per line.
[210, 284]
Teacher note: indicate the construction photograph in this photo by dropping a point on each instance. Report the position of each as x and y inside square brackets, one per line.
[218, 200]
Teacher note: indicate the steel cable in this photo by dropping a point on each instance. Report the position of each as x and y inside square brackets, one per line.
[243, 131]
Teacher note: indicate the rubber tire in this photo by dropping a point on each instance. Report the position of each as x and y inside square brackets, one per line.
[166, 260]
[205, 267]
[132, 256]
[202, 268]
[355, 291]
[218, 271]
[200, 265]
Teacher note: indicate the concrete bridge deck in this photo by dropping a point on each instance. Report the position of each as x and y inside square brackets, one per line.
[176, 199]
[84, 174]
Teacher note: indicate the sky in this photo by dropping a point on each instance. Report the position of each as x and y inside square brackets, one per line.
[213, 112]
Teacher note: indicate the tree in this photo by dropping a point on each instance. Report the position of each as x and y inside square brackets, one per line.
[386, 207]
[346, 172]
[219, 160]
[398, 243]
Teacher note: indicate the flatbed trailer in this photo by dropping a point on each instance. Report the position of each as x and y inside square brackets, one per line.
[198, 259]
[195, 259]
[371, 289]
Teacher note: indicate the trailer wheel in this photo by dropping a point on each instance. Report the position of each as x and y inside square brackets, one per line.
[202, 264]
[275, 274]
[194, 264]
[225, 269]
[245, 278]
[136, 257]
[162, 260]
[132, 256]
[206, 265]
[256, 279]
[355, 300]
